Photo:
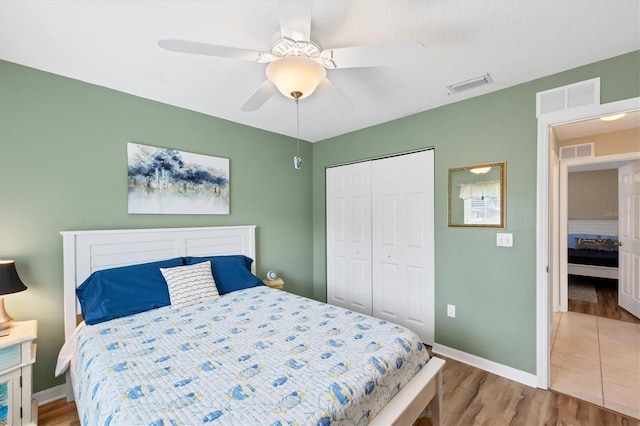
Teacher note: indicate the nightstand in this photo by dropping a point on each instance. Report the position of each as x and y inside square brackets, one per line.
[17, 355]
[277, 283]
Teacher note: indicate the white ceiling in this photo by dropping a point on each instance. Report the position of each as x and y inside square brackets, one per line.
[578, 129]
[113, 44]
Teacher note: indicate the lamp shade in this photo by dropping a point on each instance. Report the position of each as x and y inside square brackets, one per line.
[295, 74]
[9, 280]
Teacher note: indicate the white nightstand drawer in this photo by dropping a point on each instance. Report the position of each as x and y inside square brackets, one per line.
[17, 356]
[9, 357]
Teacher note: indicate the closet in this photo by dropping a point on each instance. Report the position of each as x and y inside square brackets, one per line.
[380, 239]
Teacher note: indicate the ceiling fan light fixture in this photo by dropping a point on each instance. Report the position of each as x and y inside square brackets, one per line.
[295, 74]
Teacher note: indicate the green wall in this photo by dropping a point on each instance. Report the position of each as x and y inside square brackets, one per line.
[63, 166]
[493, 288]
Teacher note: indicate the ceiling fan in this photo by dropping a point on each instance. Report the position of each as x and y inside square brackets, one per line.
[297, 65]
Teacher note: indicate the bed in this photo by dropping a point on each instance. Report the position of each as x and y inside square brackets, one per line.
[592, 249]
[254, 355]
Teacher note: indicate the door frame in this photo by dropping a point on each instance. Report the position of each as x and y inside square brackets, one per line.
[544, 216]
[615, 161]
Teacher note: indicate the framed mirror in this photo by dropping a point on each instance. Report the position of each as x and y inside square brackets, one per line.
[477, 196]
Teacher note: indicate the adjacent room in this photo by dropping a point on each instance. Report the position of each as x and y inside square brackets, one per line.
[595, 344]
[317, 212]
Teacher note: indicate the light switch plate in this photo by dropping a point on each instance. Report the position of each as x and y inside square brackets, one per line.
[451, 311]
[504, 240]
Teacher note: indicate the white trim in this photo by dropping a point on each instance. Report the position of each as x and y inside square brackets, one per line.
[543, 217]
[487, 365]
[593, 226]
[49, 395]
[564, 267]
[554, 234]
[542, 256]
[563, 213]
[592, 271]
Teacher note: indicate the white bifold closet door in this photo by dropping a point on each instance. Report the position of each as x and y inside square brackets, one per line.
[348, 191]
[380, 244]
[403, 241]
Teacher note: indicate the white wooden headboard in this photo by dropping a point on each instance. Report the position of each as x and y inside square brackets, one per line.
[87, 251]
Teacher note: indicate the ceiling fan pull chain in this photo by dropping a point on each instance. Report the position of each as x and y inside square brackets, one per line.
[298, 126]
[297, 161]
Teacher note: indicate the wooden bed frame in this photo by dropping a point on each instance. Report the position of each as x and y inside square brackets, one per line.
[87, 251]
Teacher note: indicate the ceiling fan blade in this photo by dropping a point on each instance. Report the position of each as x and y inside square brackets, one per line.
[185, 46]
[372, 55]
[295, 19]
[259, 97]
[329, 89]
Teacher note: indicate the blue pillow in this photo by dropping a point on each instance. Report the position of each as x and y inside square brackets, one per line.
[230, 273]
[118, 292]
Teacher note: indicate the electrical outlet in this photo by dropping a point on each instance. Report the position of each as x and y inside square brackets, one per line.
[451, 311]
[504, 240]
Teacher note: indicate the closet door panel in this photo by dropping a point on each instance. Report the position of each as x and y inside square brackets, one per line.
[349, 236]
[386, 298]
[402, 236]
[388, 220]
[336, 233]
[415, 204]
[337, 292]
[360, 285]
[415, 285]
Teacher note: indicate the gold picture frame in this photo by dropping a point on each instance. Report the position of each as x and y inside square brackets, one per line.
[477, 196]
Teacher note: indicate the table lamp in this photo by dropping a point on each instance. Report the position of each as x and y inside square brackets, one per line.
[9, 283]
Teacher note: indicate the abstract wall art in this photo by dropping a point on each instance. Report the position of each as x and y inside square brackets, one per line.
[167, 181]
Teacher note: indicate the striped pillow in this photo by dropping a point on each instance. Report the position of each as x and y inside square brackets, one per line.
[190, 284]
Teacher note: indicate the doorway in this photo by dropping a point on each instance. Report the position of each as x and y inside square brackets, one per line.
[552, 231]
[592, 348]
[588, 227]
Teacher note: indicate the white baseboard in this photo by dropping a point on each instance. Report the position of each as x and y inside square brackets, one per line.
[487, 365]
[51, 394]
[593, 271]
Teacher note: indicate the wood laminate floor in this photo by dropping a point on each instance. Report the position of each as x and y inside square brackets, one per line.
[607, 305]
[475, 397]
[471, 397]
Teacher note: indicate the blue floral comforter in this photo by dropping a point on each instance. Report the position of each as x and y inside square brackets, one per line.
[256, 356]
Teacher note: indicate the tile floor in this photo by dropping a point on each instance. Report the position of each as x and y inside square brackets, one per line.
[598, 360]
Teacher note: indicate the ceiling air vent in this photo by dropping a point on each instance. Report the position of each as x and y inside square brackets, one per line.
[471, 83]
[576, 151]
[566, 97]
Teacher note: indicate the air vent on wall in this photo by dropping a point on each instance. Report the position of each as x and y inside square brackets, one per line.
[576, 151]
[471, 83]
[566, 97]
